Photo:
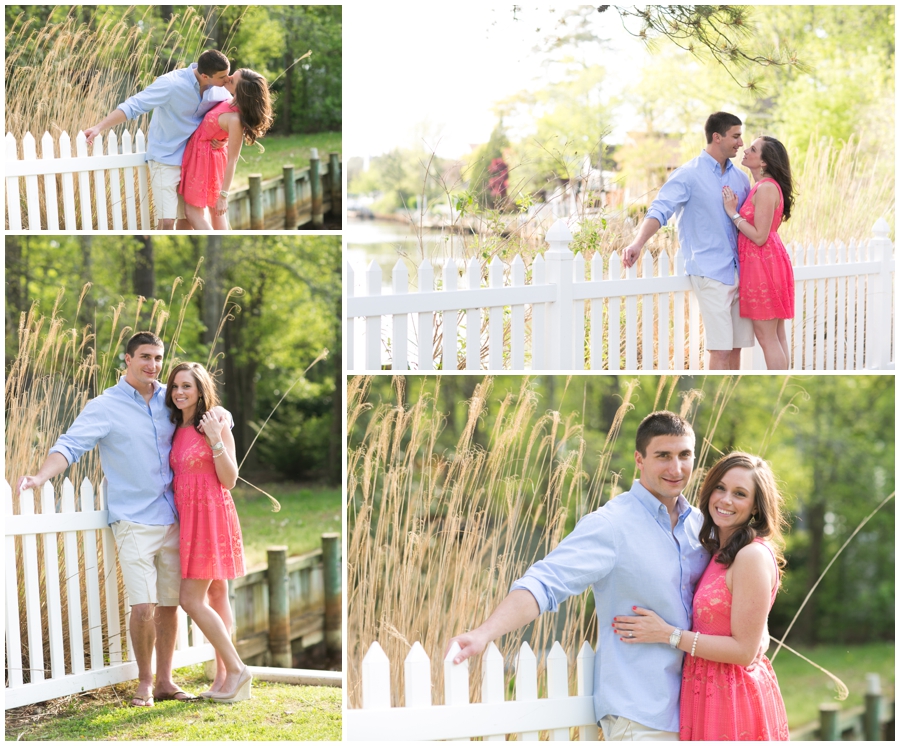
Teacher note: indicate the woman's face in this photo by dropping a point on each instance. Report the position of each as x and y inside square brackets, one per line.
[732, 501]
[753, 155]
[185, 394]
[232, 82]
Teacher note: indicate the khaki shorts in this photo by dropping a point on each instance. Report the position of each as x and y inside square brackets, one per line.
[151, 562]
[618, 728]
[164, 181]
[720, 309]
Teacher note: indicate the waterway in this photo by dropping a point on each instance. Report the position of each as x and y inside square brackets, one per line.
[385, 242]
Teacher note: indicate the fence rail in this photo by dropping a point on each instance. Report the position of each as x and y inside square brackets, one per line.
[108, 188]
[493, 718]
[85, 574]
[843, 300]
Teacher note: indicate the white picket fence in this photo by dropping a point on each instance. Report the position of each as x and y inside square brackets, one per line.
[40, 575]
[843, 303]
[114, 179]
[493, 718]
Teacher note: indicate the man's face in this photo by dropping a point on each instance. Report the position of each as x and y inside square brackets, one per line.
[729, 143]
[217, 79]
[667, 465]
[144, 366]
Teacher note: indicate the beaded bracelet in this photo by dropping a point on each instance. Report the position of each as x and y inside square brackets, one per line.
[217, 454]
[694, 646]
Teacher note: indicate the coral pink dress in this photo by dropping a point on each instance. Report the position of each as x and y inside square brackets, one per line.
[202, 168]
[211, 544]
[767, 277]
[724, 701]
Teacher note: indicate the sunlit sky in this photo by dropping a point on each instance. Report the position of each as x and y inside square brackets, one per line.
[426, 71]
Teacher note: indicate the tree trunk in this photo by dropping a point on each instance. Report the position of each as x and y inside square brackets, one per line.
[144, 278]
[213, 297]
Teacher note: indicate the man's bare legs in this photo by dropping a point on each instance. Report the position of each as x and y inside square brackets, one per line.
[219, 602]
[154, 626]
[724, 359]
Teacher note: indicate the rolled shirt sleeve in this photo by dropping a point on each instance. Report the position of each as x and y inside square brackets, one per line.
[85, 433]
[156, 94]
[583, 558]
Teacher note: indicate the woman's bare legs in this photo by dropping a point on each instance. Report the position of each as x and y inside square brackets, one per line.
[782, 338]
[219, 222]
[773, 348]
[193, 599]
[218, 601]
[197, 217]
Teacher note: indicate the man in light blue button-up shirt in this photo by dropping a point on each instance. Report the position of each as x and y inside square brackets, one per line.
[132, 427]
[640, 549]
[179, 100]
[708, 238]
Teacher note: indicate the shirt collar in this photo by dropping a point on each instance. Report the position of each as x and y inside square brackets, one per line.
[133, 393]
[714, 164]
[653, 505]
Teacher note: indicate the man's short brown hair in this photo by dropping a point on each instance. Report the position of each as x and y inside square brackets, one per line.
[211, 62]
[660, 423]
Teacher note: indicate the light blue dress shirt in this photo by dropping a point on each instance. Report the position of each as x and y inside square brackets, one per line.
[178, 108]
[629, 554]
[135, 440]
[693, 194]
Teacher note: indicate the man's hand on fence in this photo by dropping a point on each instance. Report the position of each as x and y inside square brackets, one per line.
[91, 132]
[470, 643]
[28, 483]
[630, 254]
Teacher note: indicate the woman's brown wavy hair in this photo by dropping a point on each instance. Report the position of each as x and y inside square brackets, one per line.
[768, 521]
[254, 105]
[205, 387]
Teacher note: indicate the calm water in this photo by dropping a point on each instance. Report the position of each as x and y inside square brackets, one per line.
[385, 242]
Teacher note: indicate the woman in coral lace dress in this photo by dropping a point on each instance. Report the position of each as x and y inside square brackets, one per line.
[726, 693]
[767, 277]
[205, 468]
[207, 172]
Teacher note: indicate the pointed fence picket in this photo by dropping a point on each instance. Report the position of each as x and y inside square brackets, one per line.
[36, 577]
[644, 317]
[493, 718]
[107, 183]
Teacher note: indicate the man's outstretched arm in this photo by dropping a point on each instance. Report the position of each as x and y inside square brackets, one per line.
[54, 465]
[116, 116]
[516, 610]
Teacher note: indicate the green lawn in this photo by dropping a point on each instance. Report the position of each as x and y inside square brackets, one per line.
[306, 513]
[804, 687]
[283, 150]
[275, 712]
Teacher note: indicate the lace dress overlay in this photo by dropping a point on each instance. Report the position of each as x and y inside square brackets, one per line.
[724, 701]
[767, 277]
[202, 167]
[211, 544]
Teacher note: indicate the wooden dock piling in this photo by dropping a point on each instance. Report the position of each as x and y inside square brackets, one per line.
[279, 608]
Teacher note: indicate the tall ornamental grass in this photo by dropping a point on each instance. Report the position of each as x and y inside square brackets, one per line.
[436, 538]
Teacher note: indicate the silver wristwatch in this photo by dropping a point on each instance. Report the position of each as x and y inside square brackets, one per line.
[735, 216]
[220, 446]
[675, 638]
